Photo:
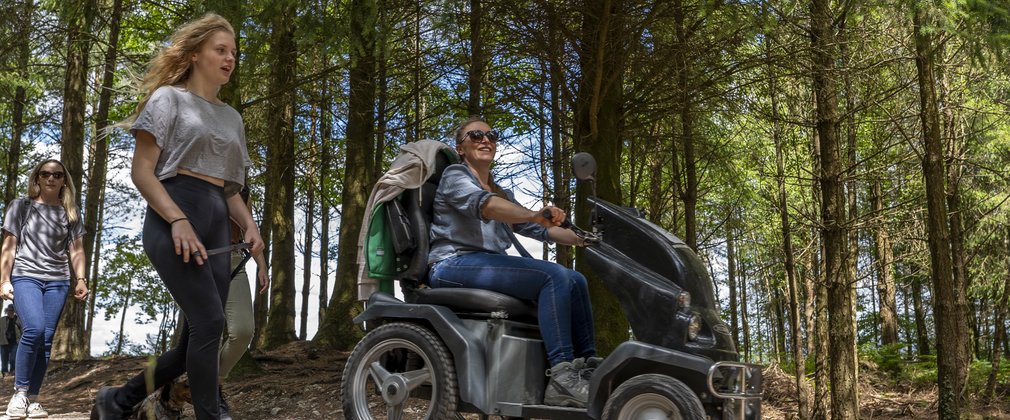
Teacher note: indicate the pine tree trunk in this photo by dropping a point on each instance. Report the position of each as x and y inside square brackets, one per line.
[12, 170]
[598, 131]
[787, 244]
[921, 331]
[70, 341]
[559, 168]
[999, 335]
[280, 188]
[744, 317]
[325, 133]
[122, 319]
[310, 223]
[818, 306]
[885, 272]
[99, 158]
[476, 74]
[841, 315]
[416, 74]
[731, 281]
[337, 329]
[949, 301]
[685, 110]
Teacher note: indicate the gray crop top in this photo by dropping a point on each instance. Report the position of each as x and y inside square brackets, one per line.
[196, 135]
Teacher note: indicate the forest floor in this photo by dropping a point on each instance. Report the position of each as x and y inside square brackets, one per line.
[301, 381]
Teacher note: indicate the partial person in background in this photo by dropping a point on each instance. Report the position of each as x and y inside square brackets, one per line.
[189, 164]
[42, 241]
[238, 310]
[10, 332]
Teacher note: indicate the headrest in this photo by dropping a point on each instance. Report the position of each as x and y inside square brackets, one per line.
[442, 161]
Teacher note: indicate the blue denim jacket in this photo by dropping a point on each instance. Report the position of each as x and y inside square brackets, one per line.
[457, 226]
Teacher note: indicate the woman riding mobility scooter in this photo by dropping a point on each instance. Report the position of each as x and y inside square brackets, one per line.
[442, 352]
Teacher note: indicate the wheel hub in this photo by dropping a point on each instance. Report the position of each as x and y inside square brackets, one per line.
[395, 390]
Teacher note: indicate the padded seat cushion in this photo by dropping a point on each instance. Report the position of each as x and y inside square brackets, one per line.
[462, 300]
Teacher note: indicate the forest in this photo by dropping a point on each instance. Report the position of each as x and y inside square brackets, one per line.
[839, 165]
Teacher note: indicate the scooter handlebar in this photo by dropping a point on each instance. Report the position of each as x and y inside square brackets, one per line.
[589, 238]
[546, 213]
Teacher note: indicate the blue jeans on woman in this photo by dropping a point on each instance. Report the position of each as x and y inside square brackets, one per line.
[39, 304]
[564, 312]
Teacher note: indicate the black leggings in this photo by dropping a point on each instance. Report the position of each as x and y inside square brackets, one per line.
[200, 291]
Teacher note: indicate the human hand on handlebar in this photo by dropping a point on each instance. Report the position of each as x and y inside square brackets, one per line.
[550, 216]
[585, 238]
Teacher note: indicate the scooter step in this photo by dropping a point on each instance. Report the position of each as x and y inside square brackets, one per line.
[553, 412]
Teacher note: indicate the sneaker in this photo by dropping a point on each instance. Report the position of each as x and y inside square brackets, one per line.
[222, 405]
[566, 388]
[35, 411]
[17, 408]
[106, 407]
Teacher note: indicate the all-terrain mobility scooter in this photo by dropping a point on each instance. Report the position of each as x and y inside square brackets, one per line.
[442, 352]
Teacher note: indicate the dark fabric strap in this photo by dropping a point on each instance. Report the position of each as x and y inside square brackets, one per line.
[519, 246]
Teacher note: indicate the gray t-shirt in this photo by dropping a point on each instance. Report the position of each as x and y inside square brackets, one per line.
[197, 135]
[43, 250]
[457, 226]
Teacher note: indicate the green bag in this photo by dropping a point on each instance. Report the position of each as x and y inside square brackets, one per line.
[387, 255]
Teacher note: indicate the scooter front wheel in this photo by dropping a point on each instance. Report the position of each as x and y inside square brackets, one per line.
[399, 371]
[651, 397]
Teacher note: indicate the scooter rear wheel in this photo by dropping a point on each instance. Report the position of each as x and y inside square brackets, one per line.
[653, 396]
[399, 371]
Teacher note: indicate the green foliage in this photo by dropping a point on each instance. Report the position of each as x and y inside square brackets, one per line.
[978, 375]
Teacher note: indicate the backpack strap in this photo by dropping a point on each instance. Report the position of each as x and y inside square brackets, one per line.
[26, 206]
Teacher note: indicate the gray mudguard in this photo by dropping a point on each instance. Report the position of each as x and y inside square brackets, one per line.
[633, 358]
[466, 348]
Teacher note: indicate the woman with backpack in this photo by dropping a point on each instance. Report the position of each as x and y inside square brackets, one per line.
[42, 240]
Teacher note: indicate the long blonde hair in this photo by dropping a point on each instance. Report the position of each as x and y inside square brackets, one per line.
[68, 193]
[174, 64]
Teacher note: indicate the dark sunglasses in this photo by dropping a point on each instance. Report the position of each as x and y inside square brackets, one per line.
[47, 174]
[476, 135]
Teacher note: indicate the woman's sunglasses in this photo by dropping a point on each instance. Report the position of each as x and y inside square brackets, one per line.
[476, 135]
[47, 174]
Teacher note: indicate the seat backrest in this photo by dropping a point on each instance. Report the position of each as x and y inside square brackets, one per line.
[417, 204]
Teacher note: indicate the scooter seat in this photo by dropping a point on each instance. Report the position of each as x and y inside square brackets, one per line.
[478, 302]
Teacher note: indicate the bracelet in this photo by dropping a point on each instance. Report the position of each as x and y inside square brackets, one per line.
[82, 279]
[177, 220]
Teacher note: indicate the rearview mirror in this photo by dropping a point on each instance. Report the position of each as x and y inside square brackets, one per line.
[584, 166]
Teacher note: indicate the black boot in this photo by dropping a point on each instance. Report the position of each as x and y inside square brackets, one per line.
[222, 404]
[106, 407]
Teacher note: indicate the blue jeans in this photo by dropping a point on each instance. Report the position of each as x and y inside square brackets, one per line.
[562, 295]
[39, 304]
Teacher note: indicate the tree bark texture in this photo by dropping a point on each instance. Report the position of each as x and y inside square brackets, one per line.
[310, 223]
[70, 341]
[949, 303]
[685, 111]
[476, 74]
[597, 131]
[885, 271]
[841, 314]
[337, 329]
[100, 156]
[789, 263]
[280, 189]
